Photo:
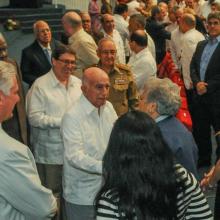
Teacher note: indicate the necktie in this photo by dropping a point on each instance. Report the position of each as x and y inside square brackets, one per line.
[47, 55]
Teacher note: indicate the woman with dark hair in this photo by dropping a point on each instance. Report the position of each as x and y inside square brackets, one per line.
[142, 180]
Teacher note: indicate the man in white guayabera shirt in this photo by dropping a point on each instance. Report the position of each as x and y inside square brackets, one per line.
[47, 100]
[142, 63]
[86, 129]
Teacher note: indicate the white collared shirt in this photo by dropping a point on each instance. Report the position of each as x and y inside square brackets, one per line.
[121, 25]
[47, 101]
[143, 66]
[151, 45]
[22, 196]
[175, 46]
[85, 48]
[119, 45]
[189, 41]
[85, 134]
[48, 48]
[132, 5]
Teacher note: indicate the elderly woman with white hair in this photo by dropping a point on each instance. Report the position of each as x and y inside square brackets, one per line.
[161, 100]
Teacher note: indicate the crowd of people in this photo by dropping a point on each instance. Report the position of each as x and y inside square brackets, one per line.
[97, 135]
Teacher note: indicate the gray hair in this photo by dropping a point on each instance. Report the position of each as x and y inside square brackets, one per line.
[165, 94]
[215, 15]
[7, 73]
[73, 19]
[103, 40]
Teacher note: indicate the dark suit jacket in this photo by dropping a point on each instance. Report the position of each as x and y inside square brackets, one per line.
[159, 34]
[212, 75]
[181, 142]
[20, 117]
[34, 62]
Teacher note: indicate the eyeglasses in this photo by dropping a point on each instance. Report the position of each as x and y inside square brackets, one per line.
[112, 52]
[214, 23]
[68, 62]
[46, 30]
[86, 21]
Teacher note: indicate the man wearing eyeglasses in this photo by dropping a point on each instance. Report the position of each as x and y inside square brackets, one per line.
[47, 100]
[123, 90]
[36, 58]
[205, 74]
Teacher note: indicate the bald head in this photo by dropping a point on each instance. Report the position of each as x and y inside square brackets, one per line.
[187, 22]
[108, 23]
[72, 15]
[95, 86]
[140, 39]
[92, 74]
[72, 22]
[38, 25]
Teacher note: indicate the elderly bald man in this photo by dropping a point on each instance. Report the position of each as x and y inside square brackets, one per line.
[86, 129]
[36, 58]
[80, 41]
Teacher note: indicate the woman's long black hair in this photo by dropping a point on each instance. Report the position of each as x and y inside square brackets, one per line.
[139, 166]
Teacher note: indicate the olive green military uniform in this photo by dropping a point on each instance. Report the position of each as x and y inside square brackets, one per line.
[123, 90]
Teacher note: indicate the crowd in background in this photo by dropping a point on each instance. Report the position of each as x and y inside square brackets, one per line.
[118, 114]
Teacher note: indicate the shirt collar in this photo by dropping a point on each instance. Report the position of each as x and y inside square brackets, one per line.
[89, 107]
[43, 47]
[217, 38]
[75, 35]
[55, 82]
[140, 53]
[161, 118]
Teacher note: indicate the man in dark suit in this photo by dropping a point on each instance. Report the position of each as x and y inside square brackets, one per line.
[16, 126]
[36, 58]
[158, 32]
[205, 74]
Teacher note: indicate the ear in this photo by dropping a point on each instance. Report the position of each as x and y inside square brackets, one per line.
[98, 53]
[152, 107]
[83, 88]
[53, 61]
[2, 98]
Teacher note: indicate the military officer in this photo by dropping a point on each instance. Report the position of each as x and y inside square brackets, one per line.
[123, 91]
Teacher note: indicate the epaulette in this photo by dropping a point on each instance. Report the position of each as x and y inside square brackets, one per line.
[123, 66]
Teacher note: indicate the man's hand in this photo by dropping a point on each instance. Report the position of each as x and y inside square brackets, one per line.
[201, 88]
[207, 180]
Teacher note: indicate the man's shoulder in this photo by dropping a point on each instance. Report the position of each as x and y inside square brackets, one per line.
[194, 35]
[31, 47]
[123, 67]
[43, 80]
[10, 146]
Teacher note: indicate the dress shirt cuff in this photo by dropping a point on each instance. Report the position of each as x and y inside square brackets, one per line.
[99, 167]
[56, 122]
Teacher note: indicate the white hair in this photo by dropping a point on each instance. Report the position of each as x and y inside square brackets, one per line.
[7, 74]
[165, 94]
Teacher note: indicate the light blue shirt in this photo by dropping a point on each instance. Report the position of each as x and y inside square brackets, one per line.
[207, 54]
[161, 118]
[22, 197]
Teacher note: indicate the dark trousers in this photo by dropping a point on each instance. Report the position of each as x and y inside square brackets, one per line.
[204, 116]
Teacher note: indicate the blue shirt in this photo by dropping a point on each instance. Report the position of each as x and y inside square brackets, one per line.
[207, 54]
